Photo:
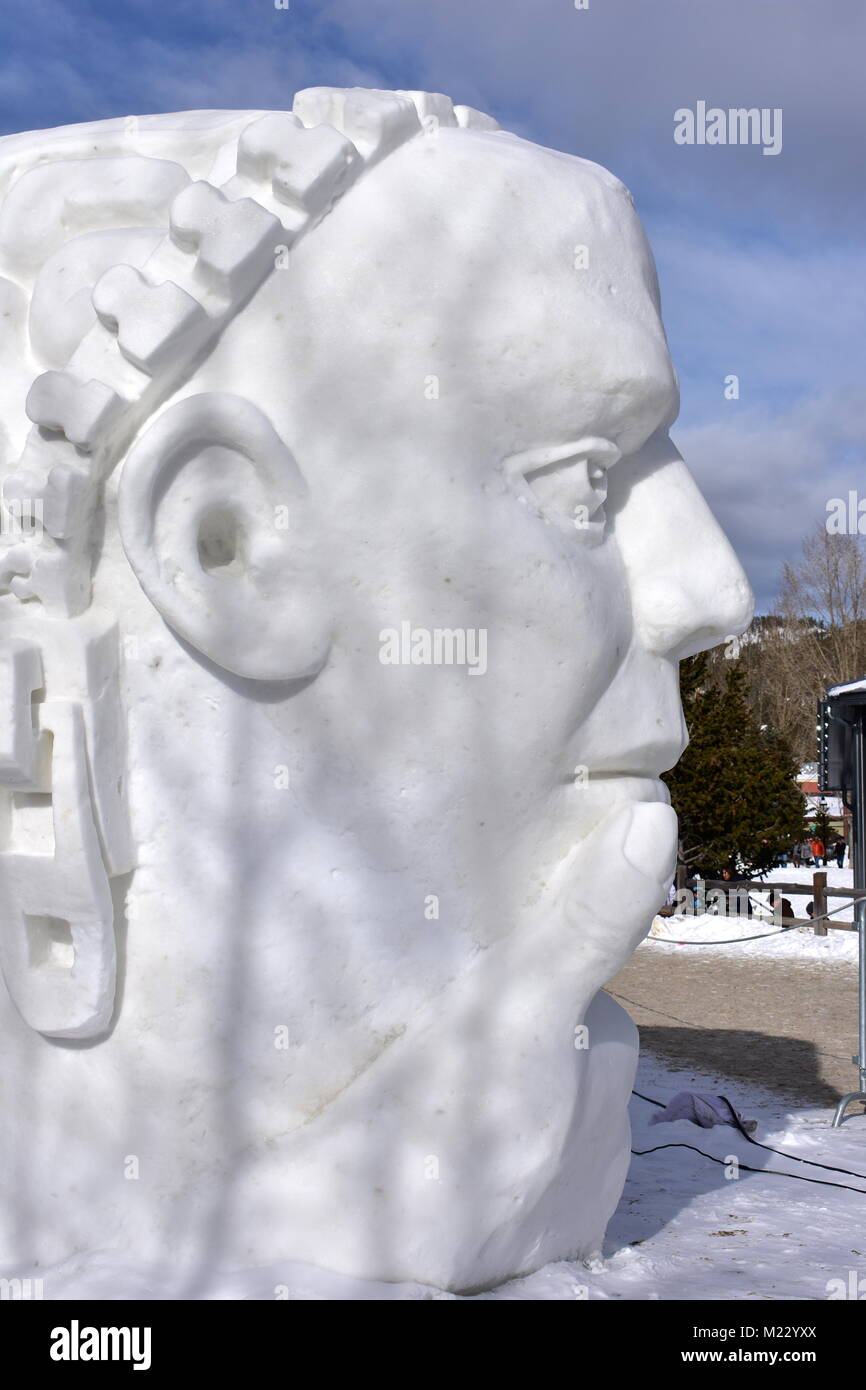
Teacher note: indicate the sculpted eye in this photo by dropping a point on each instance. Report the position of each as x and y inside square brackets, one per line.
[568, 483]
[575, 490]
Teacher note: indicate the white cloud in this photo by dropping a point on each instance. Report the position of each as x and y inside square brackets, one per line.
[769, 479]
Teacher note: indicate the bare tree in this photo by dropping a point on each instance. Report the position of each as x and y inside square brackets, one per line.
[816, 638]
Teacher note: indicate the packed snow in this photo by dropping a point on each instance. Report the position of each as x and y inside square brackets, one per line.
[727, 933]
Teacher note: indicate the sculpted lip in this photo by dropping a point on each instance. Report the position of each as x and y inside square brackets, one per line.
[651, 842]
[642, 785]
[632, 758]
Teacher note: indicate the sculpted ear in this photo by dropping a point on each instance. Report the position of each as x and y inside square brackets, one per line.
[215, 521]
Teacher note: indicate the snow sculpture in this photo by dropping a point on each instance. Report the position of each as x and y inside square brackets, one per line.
[307, 419]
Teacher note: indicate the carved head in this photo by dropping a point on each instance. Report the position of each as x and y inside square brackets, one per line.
[366, 562]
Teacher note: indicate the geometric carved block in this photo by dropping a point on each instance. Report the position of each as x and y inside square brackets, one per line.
[233, 241]
[23, 763]
[470, 119]
[306, 168]
[83, 410]
[57, 945]
[429, 104]
[152, 322]
[80, 660]
[375, 122]
[59, 498]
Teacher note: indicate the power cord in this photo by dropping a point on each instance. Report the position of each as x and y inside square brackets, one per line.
[796, 1158]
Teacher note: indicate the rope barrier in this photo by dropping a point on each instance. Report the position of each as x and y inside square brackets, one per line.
[737, 940]
[690, 1023]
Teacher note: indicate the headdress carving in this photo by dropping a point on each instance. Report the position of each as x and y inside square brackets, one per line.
[62, 728]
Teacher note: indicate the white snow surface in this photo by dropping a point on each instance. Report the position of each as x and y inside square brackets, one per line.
[679, 933]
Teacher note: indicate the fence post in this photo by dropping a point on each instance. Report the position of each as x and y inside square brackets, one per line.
[819, 891]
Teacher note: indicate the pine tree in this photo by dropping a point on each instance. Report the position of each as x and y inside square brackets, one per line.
[734, 789]
[821, 823]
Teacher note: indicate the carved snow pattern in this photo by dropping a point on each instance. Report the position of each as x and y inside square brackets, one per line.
[62, 761]
[64, 822]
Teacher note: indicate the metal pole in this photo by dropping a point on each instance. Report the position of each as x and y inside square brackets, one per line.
[859, 855]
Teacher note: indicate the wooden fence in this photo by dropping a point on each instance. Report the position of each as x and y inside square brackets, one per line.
[817, 891]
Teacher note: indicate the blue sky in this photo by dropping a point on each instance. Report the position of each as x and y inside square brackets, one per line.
[762, 259]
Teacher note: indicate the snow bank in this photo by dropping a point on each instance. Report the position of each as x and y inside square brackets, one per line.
[728, 934]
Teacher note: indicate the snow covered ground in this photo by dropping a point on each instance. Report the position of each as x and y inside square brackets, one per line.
[677, 933]
[686, 1228]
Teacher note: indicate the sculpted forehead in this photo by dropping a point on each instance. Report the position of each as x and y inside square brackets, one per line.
[193, 138]
[519, 275]
[436, 262]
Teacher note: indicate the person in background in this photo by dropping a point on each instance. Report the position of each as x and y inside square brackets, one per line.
[839, 849]
[670, 901]
[818, 852]
[782, 909]
[738, 901]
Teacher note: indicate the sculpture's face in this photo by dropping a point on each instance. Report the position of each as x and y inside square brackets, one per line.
[457, 390]
[455, 382]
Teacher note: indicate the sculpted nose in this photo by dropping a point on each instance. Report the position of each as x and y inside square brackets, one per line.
[688, 588]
